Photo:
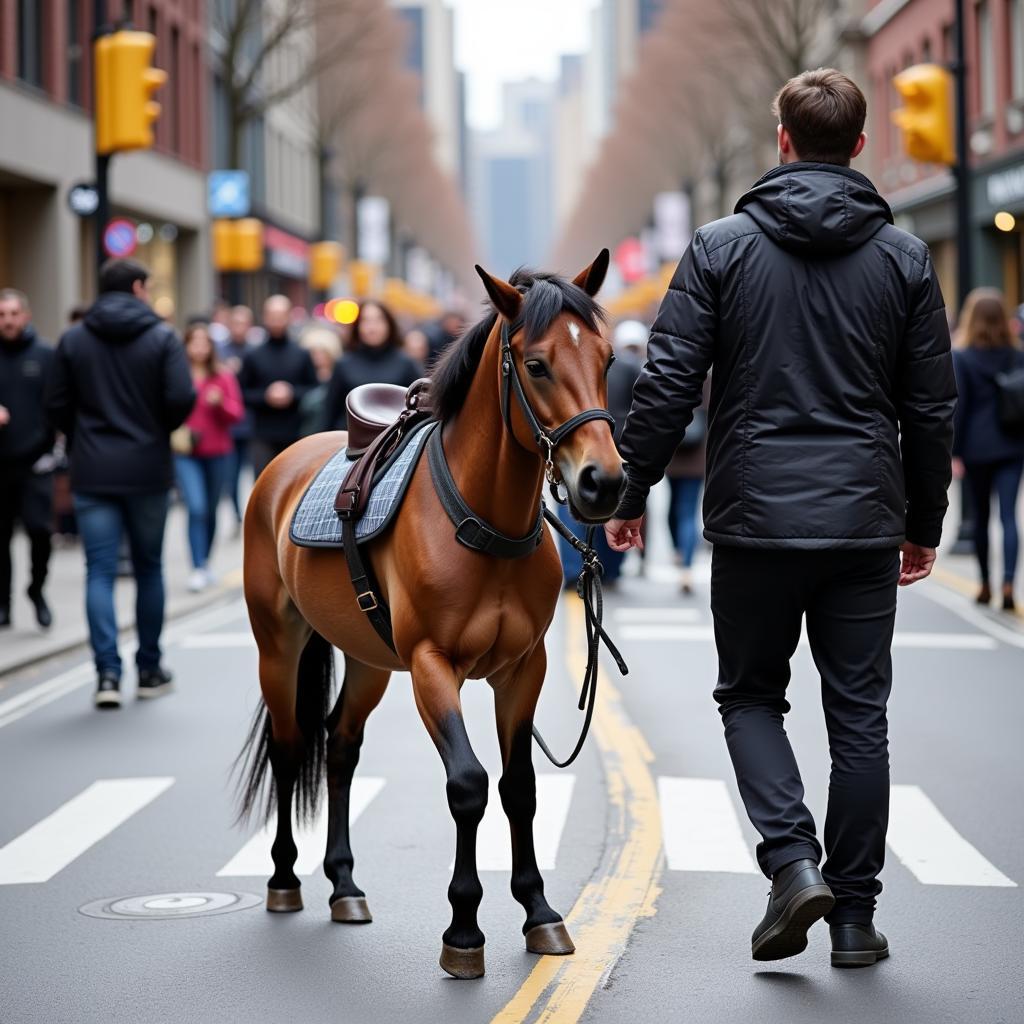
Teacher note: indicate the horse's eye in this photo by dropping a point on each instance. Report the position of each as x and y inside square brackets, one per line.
[535, 368]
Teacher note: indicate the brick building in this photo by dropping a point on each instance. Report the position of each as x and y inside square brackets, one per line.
[898, 33]
[46, 147]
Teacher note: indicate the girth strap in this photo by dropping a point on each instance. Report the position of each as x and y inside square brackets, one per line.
[470, 530]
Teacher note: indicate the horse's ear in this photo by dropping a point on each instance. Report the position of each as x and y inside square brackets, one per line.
[591, 278]
[507, 300]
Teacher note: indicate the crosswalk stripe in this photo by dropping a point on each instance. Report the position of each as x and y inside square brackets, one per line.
[930, 847]
[681, 633]
[700, 829]
[645, 615]
[253, 860]
[53, 843]
[494, 844]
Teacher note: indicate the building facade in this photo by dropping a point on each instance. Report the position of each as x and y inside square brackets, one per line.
[899, 34]
[46, 148]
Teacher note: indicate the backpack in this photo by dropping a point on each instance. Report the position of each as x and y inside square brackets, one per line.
[1010, 398]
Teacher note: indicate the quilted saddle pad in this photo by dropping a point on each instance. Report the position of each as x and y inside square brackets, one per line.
[315, 524]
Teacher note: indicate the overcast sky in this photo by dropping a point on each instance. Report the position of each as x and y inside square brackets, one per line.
[498, 41]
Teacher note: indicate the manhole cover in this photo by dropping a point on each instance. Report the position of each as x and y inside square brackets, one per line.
[163, 905]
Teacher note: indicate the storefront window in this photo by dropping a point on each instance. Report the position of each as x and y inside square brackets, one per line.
[30, 41]
[986, 60]
[1017, 49]
[74, 23]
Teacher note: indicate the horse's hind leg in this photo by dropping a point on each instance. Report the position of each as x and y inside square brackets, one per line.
[360, 694]
[515, 699]
[437, 697]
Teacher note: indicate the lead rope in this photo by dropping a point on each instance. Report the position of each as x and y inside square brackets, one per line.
[588, 586]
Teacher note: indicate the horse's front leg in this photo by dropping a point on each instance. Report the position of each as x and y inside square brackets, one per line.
[515, 700]
[436, 687]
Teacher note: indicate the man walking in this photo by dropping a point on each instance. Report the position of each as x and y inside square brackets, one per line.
[274, 378]
[26, 483]
[831, 418]
[121, 384]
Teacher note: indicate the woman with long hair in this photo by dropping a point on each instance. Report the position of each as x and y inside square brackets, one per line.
[203, 446]
[984, 453]
[374, 356]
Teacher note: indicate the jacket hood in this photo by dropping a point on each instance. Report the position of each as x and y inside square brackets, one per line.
[816, 209]
[120, 317]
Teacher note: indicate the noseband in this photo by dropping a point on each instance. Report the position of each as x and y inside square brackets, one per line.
[547, 440]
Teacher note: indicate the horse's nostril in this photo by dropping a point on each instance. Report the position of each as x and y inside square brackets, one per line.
[588, 484]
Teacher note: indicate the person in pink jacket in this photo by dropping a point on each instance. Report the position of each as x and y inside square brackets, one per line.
[202, 447]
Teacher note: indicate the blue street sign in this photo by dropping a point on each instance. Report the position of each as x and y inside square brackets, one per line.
[119, 238]
[228, 194]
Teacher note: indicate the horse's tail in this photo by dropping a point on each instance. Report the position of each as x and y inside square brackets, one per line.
[312, 703]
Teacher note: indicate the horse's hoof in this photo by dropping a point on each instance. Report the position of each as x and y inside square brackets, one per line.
[284, 901]
[550, 939]
[351, 910]
[463, 963]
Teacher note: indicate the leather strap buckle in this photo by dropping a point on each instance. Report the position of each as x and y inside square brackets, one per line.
[367, 601]
[470, 534]
[346, 502]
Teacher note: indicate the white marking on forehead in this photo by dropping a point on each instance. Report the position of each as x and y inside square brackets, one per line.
[574, 332]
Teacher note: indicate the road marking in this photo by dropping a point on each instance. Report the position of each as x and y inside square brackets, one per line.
[494, 843]
[625, 885]
[49, 690]
[973, 615]
[206, 641]
[701, 830]
[53, 843]
[253, 860]
[931, 848]
[650, 615]
[666, 632]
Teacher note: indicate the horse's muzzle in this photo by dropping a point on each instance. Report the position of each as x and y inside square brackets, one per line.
[596, 492]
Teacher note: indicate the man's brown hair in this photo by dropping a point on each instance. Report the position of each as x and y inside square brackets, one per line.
[824, 112]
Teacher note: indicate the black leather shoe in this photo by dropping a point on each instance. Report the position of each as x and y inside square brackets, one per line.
[5, 617]
[799, 897]
[108, 691]
[154, 682]
[857, 945]
[43, 614]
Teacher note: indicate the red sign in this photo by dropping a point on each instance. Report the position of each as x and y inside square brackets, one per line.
[631, 260]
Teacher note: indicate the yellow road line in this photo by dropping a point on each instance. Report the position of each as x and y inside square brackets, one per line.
[625, 885]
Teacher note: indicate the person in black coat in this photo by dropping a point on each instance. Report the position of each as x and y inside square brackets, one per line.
[275, 376]
[830, 427]
[986, 455]
[26, 486]
[120, 386]
[375, 357]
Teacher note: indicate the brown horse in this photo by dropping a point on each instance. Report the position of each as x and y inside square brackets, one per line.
[457, 614]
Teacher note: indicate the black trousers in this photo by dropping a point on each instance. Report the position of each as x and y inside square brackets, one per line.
[758, 599]
[27, 497]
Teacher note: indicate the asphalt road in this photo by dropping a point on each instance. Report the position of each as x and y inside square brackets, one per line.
[644, 841]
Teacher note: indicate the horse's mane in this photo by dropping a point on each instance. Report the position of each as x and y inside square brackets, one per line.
[546, 296]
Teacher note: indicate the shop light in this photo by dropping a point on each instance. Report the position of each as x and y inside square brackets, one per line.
[1005, 221]
[345, 311]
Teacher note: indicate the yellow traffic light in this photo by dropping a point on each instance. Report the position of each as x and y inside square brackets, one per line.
[238, 244]
[125, 83]
[325, 259]
[926, 118]
[363, 275]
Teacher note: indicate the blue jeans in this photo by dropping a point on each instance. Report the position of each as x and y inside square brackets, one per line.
[101, 522]
[685, 500]
[201, 481]
[236, 462]
[1004, 478]
[572, 562]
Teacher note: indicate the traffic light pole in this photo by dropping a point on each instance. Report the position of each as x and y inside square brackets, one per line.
[965, 269]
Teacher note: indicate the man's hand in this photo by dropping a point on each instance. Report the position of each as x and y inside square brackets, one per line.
[214, 395]
[959, 470]
[623, 534]
[916, 563]
[279, 394]
[5, 416]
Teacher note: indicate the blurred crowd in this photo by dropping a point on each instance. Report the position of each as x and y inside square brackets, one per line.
[96, 432]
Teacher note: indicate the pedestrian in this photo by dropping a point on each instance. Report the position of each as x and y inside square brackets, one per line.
[375, 357]
[232, 352]
[26, 440]
[685, 473]
[622, 375]
[989, 455]
[324, 347]
[441, 334]
[416, 345]
[120, 386]
[274, 378]
[202, 446]
[831, 424]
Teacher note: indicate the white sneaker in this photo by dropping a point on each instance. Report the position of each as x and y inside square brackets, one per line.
[198, 581]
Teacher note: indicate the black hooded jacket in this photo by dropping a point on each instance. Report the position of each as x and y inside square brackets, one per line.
[120, 385]
[832, 398]
[25, 366]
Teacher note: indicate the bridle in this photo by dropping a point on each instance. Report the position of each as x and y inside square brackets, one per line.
[546, 440]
